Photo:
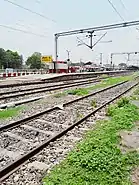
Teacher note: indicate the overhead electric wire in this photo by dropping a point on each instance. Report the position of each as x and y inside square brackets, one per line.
[23, 31]
[29, 10]
[37, 1]
[22, 25]
[123, 5]
[29, 27]
[116, 10]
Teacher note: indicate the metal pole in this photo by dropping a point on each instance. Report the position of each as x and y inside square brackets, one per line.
[111, 57]
[112, 65]
[68, 54]
[91, 38]
[56, 45]
[100, 58]
[81, 65]
[56, 52]
[68, 60]
[128, 58]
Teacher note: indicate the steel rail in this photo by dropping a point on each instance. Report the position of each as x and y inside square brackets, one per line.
[30, 118]
[8, 170]
[51, 86]
[46, 90]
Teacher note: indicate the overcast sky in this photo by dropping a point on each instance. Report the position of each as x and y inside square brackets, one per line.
[68, 15]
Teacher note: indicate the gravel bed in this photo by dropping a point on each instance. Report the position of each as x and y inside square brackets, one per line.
[41, 105]
[38, 166]
[6, 140]
[32, 172]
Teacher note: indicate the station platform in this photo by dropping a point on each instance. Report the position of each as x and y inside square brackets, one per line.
[53, 77]
[28, 78]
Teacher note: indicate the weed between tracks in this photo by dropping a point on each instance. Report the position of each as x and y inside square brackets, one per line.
[59, 95]
[11, 112]
[104, 83]
[135, 95]
[97, 160]
[93, 103]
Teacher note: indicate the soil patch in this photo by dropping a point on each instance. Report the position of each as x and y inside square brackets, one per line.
[135, 177]
[129, 141]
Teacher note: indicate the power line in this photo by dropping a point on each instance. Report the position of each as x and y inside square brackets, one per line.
[37, 1]
[123, 4]
[29, 27]
[23, 31]
[18, 24]
[29, 10]
[116, 10]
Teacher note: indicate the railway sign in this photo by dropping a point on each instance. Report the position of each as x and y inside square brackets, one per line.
[47, 58]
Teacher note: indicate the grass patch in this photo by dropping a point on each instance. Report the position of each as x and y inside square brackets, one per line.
[59, 95]
[104, 83]
[79, 91]
[93, 103]
[135, 95]
[11, 112]
[104, 76]
[136, 92]
[97, 160]
[79, 115]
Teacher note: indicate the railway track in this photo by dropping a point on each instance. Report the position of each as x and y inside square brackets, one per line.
[23, 139]
[35, 90]
[30, 95]
[24, 87]
[41, 84]
[69, 77]
[17, 94]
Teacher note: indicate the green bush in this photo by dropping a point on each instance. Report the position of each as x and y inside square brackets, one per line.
[122, 102]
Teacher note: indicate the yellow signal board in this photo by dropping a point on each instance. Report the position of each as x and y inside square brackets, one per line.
[47, 58]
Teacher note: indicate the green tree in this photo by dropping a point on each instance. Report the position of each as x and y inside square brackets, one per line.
[34, 61]
[2, 57]
[10, 59]
[13, 60]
